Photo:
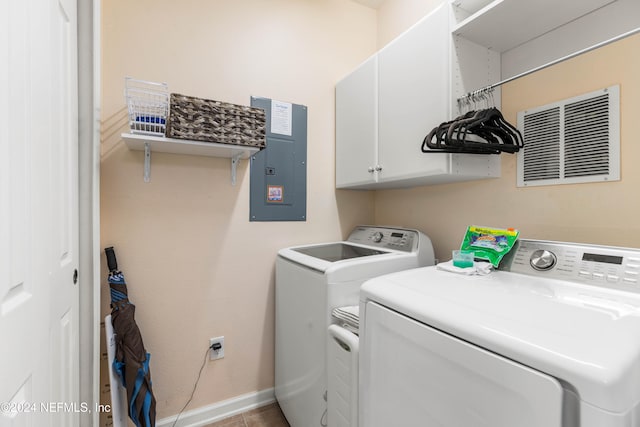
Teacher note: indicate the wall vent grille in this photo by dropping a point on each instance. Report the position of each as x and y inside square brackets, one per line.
[573, 141]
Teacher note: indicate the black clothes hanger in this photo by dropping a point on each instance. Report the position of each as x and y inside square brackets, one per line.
[482, 131]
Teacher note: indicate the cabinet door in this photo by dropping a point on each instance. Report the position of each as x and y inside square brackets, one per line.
[413, 98]
[356, 126]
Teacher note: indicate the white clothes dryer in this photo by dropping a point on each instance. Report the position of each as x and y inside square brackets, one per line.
[550, 340]
[312, 280]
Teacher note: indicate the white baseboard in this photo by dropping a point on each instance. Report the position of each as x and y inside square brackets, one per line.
[221, 410]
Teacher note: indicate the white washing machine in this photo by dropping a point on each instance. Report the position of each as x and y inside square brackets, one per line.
[311, 281]
[553, 339]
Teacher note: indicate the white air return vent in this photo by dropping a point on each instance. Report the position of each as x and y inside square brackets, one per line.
[572, 141]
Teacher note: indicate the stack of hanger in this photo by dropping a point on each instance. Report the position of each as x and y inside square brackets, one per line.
[477, 132]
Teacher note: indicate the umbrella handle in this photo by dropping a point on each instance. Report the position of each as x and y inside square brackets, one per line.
[112, 263]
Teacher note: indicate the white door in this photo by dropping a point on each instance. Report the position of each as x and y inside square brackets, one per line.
[38, 214]
[414, 375]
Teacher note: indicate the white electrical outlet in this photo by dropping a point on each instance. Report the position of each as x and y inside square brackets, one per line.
[215, 354]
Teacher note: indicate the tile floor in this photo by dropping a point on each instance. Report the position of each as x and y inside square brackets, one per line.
[266, 416]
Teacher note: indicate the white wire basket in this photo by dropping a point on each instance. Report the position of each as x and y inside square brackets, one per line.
[148, 105]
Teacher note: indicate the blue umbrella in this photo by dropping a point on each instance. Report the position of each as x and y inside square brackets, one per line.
[131, 362]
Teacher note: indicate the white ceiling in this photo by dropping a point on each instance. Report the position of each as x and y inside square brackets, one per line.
[374, 4]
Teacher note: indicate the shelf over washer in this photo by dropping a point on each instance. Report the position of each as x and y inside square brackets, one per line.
[505, 24]
[147, 143]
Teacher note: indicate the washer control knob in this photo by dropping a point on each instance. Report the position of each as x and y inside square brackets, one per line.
[377, 237]
[542, 260]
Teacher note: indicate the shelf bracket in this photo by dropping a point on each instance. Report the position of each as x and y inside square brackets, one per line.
[234, 167]
[147, 162]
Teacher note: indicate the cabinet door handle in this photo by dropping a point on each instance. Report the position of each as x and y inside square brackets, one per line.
[371, 169]
[378, 168]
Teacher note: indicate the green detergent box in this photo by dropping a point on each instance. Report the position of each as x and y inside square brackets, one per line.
[489, 244]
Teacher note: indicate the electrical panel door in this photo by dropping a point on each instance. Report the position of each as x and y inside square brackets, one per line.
[279, 172]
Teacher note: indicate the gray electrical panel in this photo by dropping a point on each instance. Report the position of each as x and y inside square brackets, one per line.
[278, 190]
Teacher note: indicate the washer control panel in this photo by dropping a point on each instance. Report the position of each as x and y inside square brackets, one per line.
[542, 259]
[399, 239]
[605, 266]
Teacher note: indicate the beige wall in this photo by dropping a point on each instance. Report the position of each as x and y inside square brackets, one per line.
[197, 267]
[602, 213]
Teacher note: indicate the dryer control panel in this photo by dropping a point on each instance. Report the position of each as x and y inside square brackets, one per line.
[605, 266]
[384, 237]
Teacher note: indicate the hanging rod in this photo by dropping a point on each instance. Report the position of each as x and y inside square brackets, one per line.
[489, 88]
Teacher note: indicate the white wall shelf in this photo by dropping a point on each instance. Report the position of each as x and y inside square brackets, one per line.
[505, 24]
[148, 143]
[496, 41]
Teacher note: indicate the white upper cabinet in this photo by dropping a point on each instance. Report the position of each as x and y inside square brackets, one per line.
[356, 126]
[386, 107]
[413, 97]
